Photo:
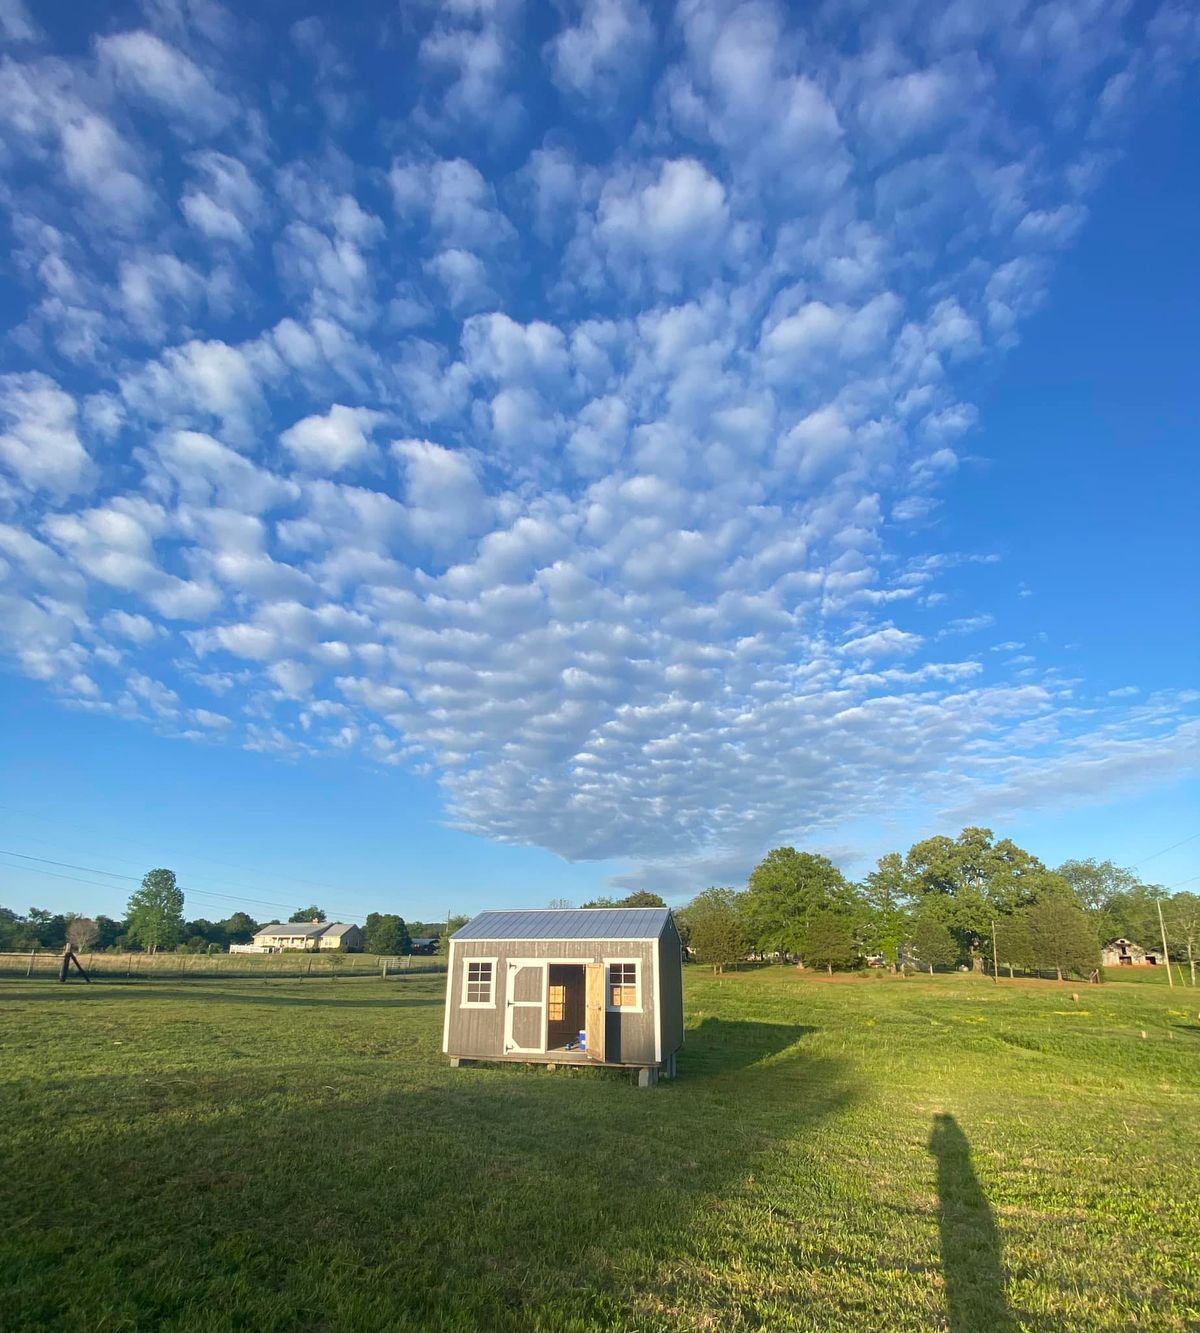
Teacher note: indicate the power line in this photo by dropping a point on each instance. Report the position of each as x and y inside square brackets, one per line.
[1191, 838]
[113, 874]
[212, 860]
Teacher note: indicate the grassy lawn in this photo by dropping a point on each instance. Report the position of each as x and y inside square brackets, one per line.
[847, 1154]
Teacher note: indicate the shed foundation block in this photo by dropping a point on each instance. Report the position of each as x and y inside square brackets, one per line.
[647, 1078]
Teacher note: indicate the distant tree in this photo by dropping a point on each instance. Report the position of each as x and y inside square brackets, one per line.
[386, 933]
[1098, 885]
[307, 914]
[82, 933]
[155, 915]
[715, 931]
[643, 898]
[930, 942]
[48, 929]
[452, 924]
[1182, 915]
[785, 889]
[239, 928]
[885, 898]
[206, 932]
[967, 881]
[1133, 914]
[827, 940]
[560, 904]
[108, 932]
[1014, 944]
[1061, 937]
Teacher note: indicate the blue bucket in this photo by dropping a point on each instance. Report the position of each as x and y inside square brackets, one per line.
[582, 1039]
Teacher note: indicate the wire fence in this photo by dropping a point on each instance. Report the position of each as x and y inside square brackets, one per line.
[293, 964]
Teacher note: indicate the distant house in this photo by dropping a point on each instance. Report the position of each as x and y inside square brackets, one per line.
[1124, 953]
[314, 935]
[425, 944]
[342, 935]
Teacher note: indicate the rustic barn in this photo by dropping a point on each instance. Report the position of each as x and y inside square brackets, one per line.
[590, 986]
[1124, 953]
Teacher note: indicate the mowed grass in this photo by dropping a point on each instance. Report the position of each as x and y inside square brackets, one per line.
[835, 1154]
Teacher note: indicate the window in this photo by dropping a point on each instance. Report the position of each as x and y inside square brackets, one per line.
[623, 986]
[477, 984]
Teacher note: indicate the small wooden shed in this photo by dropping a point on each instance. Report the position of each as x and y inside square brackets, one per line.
[524, 986]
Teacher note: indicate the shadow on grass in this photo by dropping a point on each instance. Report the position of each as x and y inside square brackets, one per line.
[971, 1258]
[404, 1195]
[231, 993]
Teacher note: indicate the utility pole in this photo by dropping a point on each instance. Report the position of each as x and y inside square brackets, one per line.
[1166, 954]
[995, 964]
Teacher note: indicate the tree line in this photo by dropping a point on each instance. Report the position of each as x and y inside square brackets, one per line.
[945, 902]
[154, 923]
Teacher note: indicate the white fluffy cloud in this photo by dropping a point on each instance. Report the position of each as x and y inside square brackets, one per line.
[589, 466]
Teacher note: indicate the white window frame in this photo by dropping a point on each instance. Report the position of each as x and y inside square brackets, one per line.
[463, 1002]
[639, 967]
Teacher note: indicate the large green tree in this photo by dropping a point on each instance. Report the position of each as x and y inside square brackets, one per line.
[966, 882]
[713, 928]
[930, 942]
[827, 940]
[154, 918]
[639, 898]
[785, 889]
[885, 902]
[239, 928]
[386, 933]
[304, 914]
[1060, 936]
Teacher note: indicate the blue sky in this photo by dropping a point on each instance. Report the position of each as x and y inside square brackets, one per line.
[478, 454]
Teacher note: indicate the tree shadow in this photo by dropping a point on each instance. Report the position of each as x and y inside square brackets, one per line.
[972, 1266]
[402, 1194]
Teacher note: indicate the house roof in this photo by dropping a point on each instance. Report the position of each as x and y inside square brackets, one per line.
[585, 923]
[338, 928]
[294, 929]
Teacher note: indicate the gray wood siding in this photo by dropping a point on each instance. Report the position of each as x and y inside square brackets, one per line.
[479, 1033]
[670, 988]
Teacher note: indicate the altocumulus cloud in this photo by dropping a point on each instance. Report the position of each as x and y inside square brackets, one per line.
[560, 418]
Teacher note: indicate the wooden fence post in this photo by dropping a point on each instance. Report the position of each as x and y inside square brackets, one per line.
[32, 956]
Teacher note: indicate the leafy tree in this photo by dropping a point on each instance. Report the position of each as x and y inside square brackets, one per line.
[1061, 937]
[931, 943]
[203, 933]
[642, 898]
[48, 929]
[239, 928]
[82, 933]
[306, 914]
[827, 940]
[453, 923]
[713, 926]
[155, 914]
[885, 898]
[1182, 916]
[639, 898]
[108, 932]
[560, 904]
[972, 879]
[386, 933]
[785, 889]
[1099, 885]
[1133, 914]
[1014, 944]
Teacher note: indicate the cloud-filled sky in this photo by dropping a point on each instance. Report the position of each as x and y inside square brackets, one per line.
[563, 407]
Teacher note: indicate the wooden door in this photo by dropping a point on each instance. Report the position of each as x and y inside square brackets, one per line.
[596, 1009]
[525, 1009]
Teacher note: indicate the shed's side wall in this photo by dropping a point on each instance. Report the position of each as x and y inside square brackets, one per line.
[478, 1034]
[670, 988]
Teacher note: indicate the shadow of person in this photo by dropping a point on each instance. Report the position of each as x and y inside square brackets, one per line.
[971, 1262]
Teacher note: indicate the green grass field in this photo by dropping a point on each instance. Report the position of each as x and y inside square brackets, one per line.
[849, 1154]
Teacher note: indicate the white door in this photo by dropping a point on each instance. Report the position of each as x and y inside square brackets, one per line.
[525, 1009]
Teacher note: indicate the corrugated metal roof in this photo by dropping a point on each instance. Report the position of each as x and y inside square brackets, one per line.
[337, 929]
[590, 923]
[292, 928]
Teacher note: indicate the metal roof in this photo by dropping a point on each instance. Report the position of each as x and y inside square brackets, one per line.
[338, 928]
[304, 929]
[583, 923]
